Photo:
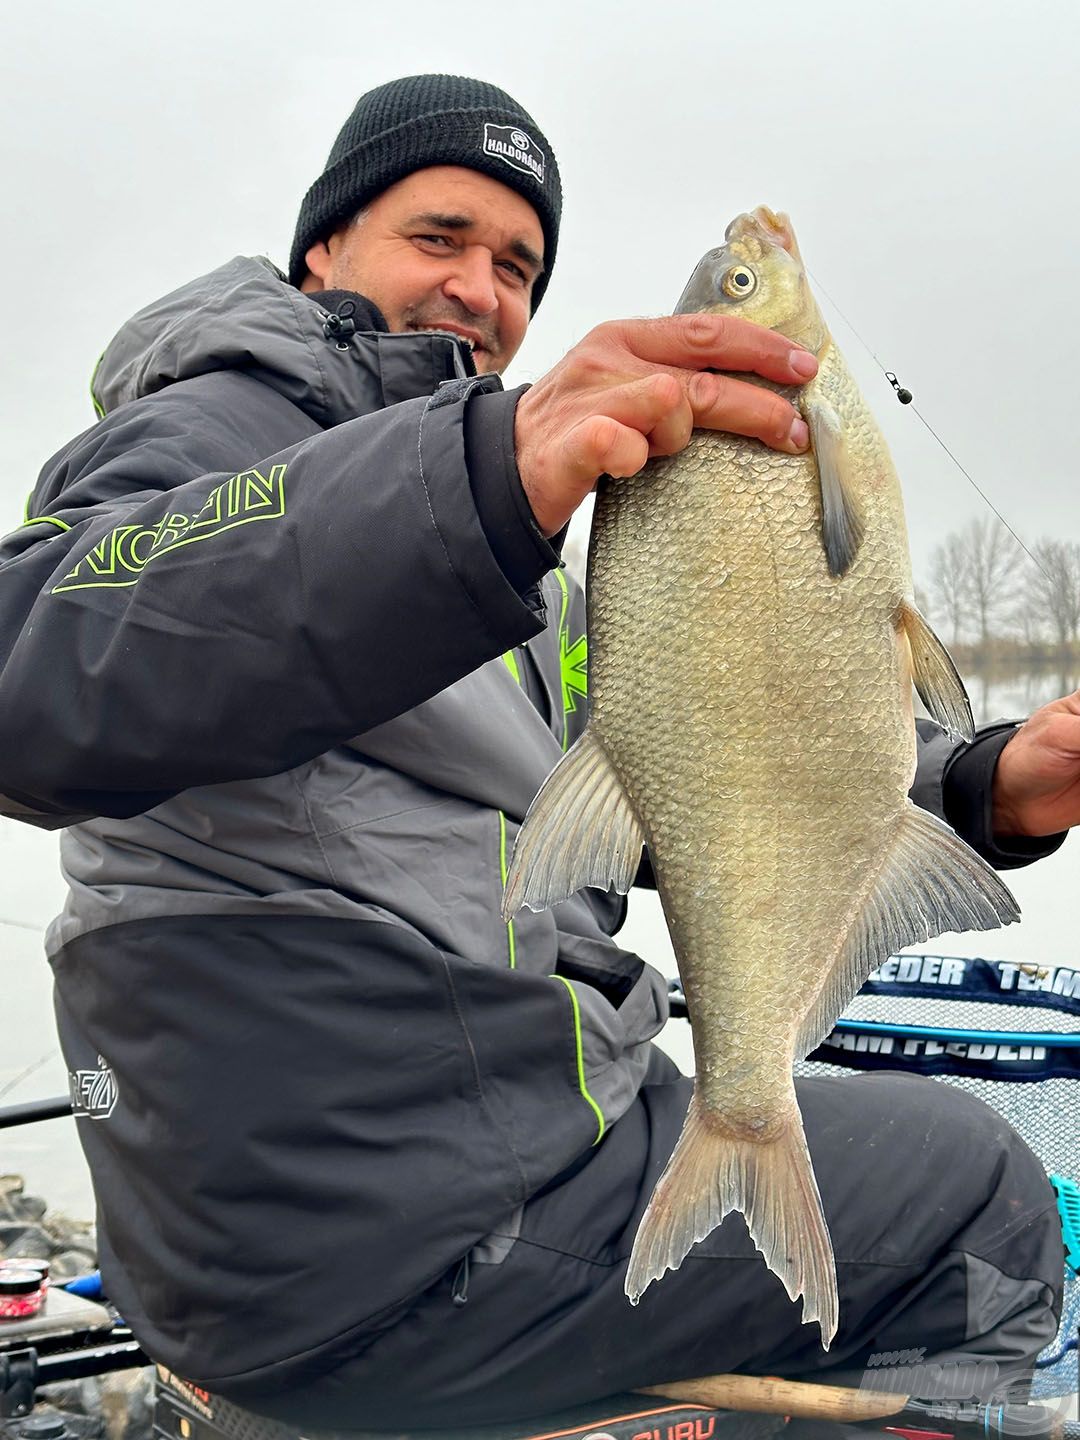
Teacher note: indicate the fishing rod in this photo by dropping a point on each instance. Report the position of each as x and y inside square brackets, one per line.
[768, 1395]
[34, 1110]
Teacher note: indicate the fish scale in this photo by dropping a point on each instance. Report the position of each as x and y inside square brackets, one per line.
[753, 645]
[755, 877]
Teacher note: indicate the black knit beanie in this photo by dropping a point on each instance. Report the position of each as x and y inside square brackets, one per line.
[425, 120]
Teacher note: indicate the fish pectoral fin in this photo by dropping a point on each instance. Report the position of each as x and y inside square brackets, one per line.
[842, 526]
[580, 830]
[772, 1182]
[929, 881]
[935, 676]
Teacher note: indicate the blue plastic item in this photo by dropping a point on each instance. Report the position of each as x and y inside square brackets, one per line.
[1068, 1201]
[88, 1286]
[1060, 1038]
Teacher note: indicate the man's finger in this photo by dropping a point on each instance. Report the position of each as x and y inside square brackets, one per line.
[721, 402]
[601, 445]
[644, 403]
[672, 431]
[657, 406]
[720, 342]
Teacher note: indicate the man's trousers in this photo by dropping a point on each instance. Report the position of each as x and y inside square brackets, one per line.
[948, 1250]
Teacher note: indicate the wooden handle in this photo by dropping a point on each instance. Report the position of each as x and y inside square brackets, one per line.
[767, 1395]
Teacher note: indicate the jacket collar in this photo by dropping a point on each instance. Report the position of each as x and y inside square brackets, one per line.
[245, 316]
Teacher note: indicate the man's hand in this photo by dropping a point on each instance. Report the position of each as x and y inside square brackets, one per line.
[1037, 778]
[637, 388]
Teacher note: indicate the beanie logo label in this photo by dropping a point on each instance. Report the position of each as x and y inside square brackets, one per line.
[513, 146]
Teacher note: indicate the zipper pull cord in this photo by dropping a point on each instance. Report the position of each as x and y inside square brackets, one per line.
[460, 1293]
[341, 327]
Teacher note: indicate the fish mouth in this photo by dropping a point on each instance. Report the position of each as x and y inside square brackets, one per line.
[761, 227]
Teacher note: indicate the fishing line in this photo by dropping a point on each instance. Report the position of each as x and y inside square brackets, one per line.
[904, 397]
[23, 1074]
[21, 924]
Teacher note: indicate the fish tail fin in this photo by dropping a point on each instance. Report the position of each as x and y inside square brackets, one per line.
[580, 830]
[712, 1172]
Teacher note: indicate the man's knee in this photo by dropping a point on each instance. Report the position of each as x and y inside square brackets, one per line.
[934, 1135]
[965, 1258]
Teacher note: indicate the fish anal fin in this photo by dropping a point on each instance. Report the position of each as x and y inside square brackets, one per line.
[710, 1173]
[580, 830]
[842, 525]
[930, 881]
[935, 676]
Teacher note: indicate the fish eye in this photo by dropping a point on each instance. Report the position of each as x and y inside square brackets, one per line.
[738, 282]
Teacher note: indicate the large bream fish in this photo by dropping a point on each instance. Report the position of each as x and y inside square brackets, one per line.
[752, 649]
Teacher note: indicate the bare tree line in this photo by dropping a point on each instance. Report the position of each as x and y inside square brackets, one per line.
[981, 588]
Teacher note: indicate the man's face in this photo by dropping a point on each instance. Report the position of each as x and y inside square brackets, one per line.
[444, 249]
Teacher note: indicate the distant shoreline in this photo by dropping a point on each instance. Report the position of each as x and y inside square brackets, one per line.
[1003, 653]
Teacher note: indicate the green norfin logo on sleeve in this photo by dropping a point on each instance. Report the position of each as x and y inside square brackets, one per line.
[574, 661]
[125, 552]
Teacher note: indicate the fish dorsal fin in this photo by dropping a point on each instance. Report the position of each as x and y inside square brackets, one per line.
[929, 881]
[935, 676]
[842, 527]
[580, 830]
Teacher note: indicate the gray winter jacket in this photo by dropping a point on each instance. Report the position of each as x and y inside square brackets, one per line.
[261, 653]
[310, 1057]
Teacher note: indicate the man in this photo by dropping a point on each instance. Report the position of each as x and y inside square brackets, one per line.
[283, 646]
